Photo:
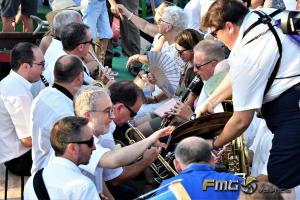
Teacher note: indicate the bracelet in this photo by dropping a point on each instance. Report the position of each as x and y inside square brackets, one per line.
[214, 147]
[129, 18]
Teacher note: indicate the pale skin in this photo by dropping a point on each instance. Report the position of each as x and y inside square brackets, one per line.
[128, 154]
[240, 120]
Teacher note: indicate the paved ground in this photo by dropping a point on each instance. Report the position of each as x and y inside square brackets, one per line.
[14, 184]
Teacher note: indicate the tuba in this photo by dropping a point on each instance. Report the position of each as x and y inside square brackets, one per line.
[161, 167]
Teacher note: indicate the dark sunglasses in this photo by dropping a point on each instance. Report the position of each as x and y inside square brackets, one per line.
[214, 33]
[199, 66]
[89, 142]
[39, 64]
[132, 113]
[86, 42]
[180, 52]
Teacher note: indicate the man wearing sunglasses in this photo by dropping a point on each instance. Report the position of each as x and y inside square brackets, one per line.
[207, 54]
[76, 40]
[27, 64]
[94, 103]
[73, 143]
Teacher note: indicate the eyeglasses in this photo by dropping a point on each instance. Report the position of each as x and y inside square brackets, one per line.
[180, 52]
[132, 113]
[42, 64]
[197, 66]
[86, 42]
[89, 142]
[161, 20]
[110, 111]
[214, 33]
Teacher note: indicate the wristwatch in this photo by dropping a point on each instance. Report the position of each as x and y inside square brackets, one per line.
[214, 147]
[193, 116]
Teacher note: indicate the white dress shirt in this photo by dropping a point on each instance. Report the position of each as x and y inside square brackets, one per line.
[94, 172]
[252, 64]
[107, 141]
[261, 148]
[48, 107]
[193, 11]
[63, 180]
[15, 105]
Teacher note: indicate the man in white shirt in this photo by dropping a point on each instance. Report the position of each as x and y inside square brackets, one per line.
[27, 64]
[252, 60]
[76, 40]
[207, 54]
[72, 140]
[52, 104]
[94, 103]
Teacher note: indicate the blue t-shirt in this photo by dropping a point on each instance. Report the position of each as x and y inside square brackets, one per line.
[193, 179]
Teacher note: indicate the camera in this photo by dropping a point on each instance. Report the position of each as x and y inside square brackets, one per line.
[290, 22]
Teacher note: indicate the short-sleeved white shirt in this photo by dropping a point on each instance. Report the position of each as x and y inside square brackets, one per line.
[107, 141]
[92, 170]
[252, 64]
[63, 180]
[48, 107]
[15, 105]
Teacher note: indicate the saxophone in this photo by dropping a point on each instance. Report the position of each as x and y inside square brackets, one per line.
[166, 121]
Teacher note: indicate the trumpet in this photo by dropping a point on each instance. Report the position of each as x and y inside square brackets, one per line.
[101, 67]
[155, 167]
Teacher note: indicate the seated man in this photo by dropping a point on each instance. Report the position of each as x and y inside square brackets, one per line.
[94, 104]
[27, 64]
[194, 163]
[73, 142]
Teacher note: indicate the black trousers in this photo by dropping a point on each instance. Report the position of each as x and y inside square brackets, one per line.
[283, 119]
[20, 166]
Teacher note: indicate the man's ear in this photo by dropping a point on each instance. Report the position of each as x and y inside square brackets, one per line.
[177, 165]
[86, 114]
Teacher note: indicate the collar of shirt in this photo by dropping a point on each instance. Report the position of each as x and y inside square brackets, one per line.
[197, 167]
[21, 79]
[63, 90]
[66, 163]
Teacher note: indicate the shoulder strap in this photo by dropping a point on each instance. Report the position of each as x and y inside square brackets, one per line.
[266, 19]
[39, 186]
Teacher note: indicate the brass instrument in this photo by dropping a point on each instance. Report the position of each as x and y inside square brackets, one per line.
[235, 156]
[155, 167]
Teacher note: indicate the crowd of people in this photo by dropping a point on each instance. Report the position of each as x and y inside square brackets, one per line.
[60, 128]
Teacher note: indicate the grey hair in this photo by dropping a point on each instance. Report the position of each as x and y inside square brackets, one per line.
[64, 18]
[86, 98]
[177, 17]
[193, 150]
[211, 49]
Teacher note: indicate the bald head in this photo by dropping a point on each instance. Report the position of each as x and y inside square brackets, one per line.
[193, 150]
[67, 68]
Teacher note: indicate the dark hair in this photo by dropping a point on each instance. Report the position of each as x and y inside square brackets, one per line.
[66, 130]
[67, 68]
[222, 11]
[125, 92]
[72, 35]
[22, 53]
[193, 150]
[188, 38]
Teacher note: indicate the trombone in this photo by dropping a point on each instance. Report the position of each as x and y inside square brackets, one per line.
[160, 158]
